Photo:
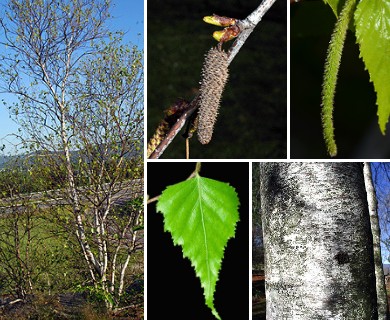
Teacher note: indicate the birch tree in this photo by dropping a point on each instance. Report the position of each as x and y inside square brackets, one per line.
[381, 178]
[80, 102]
[319, 260]
[376, 238]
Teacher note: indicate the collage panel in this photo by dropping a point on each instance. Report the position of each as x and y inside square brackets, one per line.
[249, 121]
[338, 80]
[71, 159]
[206, 212]
[252, 235]
[320, 240]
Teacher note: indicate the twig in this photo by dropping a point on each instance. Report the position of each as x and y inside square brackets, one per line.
[152, 199]
[187, 148]
[134, 305]
[196, 171]
[175, 129]
[246, 27]
[11, 303]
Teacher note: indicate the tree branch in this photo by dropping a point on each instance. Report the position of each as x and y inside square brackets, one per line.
[175, 129]
[246, 27]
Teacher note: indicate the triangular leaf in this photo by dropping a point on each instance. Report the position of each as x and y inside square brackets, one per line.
[372, 21]
[201, 215]
[334, 4]
[337, 6]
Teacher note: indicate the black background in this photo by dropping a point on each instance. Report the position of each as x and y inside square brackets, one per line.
[173, 290]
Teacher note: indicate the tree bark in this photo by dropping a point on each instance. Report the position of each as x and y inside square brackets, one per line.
[376, 237]
[318, 245]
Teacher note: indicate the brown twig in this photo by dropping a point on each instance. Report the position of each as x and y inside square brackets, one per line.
[152, 199]
[175, 129]
[187, 148]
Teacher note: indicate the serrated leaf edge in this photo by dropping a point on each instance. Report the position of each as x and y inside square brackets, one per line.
[194, 265]
[382, 125]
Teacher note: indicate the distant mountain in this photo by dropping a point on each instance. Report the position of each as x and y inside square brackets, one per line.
[5, 159]
[74, 154]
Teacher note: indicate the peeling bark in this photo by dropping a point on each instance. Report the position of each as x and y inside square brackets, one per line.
[318, 245]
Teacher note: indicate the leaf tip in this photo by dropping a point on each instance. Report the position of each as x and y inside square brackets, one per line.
[215, 313]
[382, 126]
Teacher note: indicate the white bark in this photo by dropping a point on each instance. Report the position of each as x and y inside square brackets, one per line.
[61, 112]
[379, 275]
[131, 247]
[248, 25]
[317, 240]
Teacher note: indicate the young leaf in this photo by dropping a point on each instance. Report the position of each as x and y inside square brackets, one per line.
[334, 4]
[201, 215]
[372, 21]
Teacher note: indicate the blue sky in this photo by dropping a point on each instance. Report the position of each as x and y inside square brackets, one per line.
[381, 178]
[128, 16]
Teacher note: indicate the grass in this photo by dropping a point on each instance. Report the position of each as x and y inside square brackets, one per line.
[53, 261]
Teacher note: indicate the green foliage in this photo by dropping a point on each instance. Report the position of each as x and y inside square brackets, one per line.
[96, 293]
[372, 27]
[26, 174]
[201, 215]
[372, 21]
[34, 249]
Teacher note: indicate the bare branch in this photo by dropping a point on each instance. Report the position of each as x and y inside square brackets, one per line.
[247, 26]
[175, 129]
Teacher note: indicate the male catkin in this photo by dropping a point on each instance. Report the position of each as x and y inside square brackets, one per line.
[215, 74]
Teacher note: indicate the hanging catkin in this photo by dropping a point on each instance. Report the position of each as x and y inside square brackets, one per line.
[214, 77]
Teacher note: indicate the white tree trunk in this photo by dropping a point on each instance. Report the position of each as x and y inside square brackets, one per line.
[376, 237]
[317, 240]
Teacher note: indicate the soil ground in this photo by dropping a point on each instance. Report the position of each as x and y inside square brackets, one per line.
[258, 297]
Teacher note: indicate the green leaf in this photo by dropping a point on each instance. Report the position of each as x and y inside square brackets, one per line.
[372, 21]
[201, 215]
[334, 4]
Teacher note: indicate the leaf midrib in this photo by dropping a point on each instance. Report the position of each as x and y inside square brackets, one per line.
[200, 189]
